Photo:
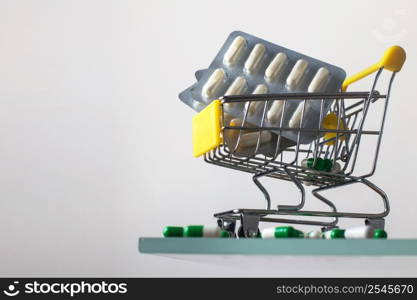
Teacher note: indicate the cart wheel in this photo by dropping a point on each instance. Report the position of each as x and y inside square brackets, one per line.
[241, 233]
[227, 225]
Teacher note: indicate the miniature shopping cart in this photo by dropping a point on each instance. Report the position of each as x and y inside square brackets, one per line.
[329, 161]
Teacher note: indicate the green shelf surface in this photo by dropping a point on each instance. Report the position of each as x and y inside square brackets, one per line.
[287, 246]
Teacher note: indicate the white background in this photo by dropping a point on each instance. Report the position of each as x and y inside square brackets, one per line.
[96, 146]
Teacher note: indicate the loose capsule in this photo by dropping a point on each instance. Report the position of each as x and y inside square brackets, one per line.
[254, 59]
[260, 89]
[275, 111]
[255, 105]
[380, 234]
[275, 67]
[335, 234]
[361, 232]
[173, 231]
[297, 73]
[235, 51]
[213, 85]
[315, 234]
[251, 139]
[281, 232]
[319, 80]
[239, 122]
[204, 231]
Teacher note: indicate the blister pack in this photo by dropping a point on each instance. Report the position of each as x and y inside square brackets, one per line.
[247, 64]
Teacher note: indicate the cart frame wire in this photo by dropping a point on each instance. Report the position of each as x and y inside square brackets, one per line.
[340, 145]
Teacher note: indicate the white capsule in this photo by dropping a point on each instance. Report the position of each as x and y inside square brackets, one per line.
[235, 51]
[251, 139]
[275, 67]
[361, 232]
[297, 73]
[295, 120]
[268, 233]
[319, 80]
[213, 85]
[315, 234]
[275, 111]
[211, 231]
[239, 122]
[237, 87]
[254, 59]
[255, 105]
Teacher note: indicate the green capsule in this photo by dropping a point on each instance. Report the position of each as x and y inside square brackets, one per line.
[380, 234]
[335, 234]
[327, 165]
[320, 164]
[205, 231]
[173, 231]
[193, 231]
[287, 232]
[224, 234]
[316, 165]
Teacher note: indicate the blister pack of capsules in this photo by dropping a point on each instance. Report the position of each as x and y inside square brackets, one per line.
[247, 64]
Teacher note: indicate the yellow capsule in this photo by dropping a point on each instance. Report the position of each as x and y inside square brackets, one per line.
[331, 121]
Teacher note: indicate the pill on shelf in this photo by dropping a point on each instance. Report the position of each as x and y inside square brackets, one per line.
[281, 232]
[275, 67]
[254, 106]
[315, 234]
[360, 232]
[297, 73]
[335, 234]
[254, 59]
[251, 139]
[275, 111]
[319, 80]
[204, 231]
[235, 51]
[173, 231]
[213, 85]
[380, 234]
[237, 87]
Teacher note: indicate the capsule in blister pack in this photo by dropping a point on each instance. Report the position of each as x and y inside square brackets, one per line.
[247, 64]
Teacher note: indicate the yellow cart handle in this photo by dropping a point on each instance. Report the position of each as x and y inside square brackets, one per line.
[392, 60]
